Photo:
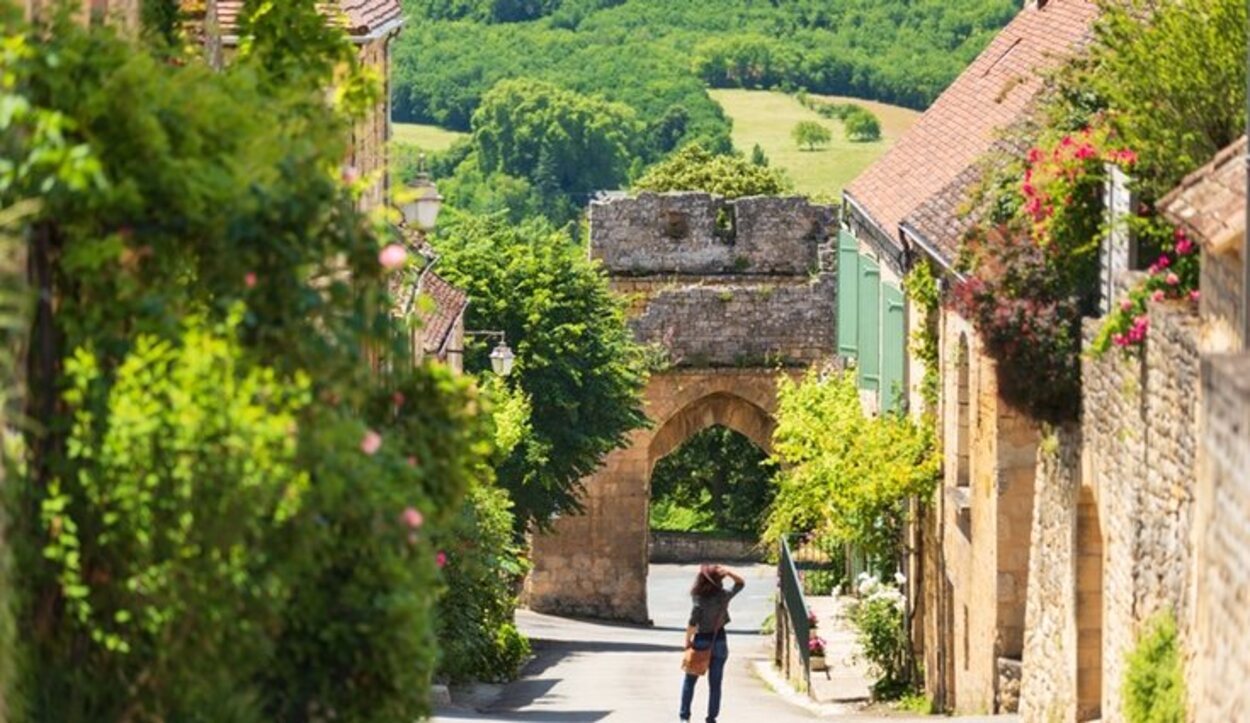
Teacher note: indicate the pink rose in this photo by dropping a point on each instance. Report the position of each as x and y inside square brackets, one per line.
[249, 279]
[1194, 295]
[371, 442]
[1163, 262]
[1126, 305]
[413, 518]
[398, 399]
[350, 175]
[1173, 279]
[440, 559]
[1184, 247]
[392, 257]
[1157, 296]
[412, 461]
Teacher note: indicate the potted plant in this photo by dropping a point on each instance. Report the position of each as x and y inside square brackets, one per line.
[816, 653]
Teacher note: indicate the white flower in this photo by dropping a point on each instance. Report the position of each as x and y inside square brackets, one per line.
[899, 578]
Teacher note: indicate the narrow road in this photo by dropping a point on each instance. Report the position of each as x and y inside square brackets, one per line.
[600, 672]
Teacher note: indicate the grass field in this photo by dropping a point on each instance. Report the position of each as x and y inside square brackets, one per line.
[766, 118]
[427, 138]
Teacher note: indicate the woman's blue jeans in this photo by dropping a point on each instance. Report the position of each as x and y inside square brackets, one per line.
[715, 674]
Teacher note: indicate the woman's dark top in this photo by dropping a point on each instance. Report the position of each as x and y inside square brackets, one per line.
[711, 613]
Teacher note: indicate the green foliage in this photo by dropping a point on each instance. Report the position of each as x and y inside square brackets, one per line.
[655, 55]
[877, 616]
[671, 515]
[1173, 75]
[1154, 679]
[922, 288]
[210, 521]
[484, 566]
[845, 476]
[810, 134]
[720, 478]
[821, 582]
[862, 125]
[694, 169]
[184, 467]
[757, 156]
[558, 140]
[576, 360]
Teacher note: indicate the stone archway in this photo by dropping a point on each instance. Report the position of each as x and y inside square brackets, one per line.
[595, 564]
[736, 293]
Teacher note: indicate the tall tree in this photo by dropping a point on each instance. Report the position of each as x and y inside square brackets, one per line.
[581, 143]
[576, 359]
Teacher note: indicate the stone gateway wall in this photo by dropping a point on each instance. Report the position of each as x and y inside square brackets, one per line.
[698, 234]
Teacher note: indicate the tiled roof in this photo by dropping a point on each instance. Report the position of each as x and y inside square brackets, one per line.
[942, 218]
[439, 318]
[359, 18]
[997, 90]
[1211, 202]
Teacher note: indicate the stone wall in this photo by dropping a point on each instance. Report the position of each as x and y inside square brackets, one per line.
[595, 564]
[1221, 300]
[979, 575]
[1050, 645]
[1139, 423]
[740, 324]
[697, 548]
[697, 234]
[1221, 628]
[372, 133]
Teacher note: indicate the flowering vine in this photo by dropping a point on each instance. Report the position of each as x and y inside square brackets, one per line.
[1172, 277]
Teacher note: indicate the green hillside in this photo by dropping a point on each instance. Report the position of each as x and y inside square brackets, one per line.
[766, 118]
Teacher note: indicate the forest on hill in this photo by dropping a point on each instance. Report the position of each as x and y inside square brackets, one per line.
[541, 86]
[658, 56]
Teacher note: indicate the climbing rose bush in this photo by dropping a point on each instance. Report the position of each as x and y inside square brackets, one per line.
[1173, 277]
[1033, 276]
[877, 617]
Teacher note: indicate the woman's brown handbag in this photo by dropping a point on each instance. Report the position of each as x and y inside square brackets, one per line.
[696, 662]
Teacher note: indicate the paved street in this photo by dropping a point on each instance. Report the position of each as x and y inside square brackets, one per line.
[597, 672]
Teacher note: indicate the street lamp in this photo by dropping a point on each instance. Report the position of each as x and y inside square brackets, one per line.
[424, 201]
[501, 357]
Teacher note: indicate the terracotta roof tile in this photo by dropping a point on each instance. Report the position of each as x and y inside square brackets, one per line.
[942, 218]
[358, 17]
[439, 318]
[995, 91]
[1211, 201]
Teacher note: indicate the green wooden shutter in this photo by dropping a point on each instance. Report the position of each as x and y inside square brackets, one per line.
[848, 294]
[869, 324]
[893, 348]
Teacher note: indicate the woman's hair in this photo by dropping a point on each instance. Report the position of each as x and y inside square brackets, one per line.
[708, 581]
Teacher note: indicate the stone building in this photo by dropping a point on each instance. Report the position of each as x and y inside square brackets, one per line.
[734, 293]
[969, 567]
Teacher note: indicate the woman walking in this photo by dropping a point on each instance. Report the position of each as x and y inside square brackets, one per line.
[706, 629]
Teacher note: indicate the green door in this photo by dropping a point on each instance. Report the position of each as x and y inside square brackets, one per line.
[893, 348]
[869, 325]
[848, 294]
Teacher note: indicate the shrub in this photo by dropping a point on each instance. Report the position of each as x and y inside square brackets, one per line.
[821, 582]
[862, 125]
[1154, 681]
[845, 476]
[483, 566]
[877, 616]
[183, 469]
